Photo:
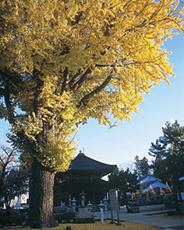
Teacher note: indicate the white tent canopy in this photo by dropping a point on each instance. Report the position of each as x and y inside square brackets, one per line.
[181, 178]
[156, 185]
[148, 179]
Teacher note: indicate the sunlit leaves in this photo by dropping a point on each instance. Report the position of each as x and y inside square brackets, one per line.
[76, 47]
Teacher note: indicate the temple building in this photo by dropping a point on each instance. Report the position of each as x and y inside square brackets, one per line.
[84, 178]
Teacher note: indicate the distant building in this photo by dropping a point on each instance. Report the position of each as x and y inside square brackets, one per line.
[20, 201]
[83, 177]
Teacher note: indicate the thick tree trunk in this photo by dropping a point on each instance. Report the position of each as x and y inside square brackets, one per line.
[41, 197]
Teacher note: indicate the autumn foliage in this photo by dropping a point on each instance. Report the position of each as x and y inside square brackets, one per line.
[62, 62]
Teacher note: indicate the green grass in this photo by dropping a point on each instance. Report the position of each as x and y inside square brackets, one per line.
[95, 226]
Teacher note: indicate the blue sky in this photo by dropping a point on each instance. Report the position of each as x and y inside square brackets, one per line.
[121, 144]
[165, 103]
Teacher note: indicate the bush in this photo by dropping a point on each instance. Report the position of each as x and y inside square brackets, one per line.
[169, 201]
[11, 217]
[65, 217]
[132, 208]
[84, 220]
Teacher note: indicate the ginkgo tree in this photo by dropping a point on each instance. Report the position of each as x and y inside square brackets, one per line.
[64, 61]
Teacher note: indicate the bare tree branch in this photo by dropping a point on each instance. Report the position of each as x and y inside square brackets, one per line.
[84, 101]
[9, 158]
[8, 153]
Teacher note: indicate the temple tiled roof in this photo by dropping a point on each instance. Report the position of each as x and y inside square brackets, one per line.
[84, 164]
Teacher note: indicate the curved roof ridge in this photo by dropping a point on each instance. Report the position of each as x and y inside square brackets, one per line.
[82, 163]
[81, 154]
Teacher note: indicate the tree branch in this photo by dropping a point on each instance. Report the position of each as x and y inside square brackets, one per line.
[72, 81]
[83, 78]
[84, 101]
[77, 18]
[10, 82]
[8, 103]
[105, 65]
[37, 102]
[64, 84]
[2, 92]
[12, 78]
[1, 160]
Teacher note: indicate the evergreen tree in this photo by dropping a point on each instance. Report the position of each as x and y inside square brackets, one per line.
[169, 155]
[125, 180]
[141, 166]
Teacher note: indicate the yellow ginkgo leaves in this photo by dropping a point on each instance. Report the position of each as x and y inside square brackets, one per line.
[81, 59]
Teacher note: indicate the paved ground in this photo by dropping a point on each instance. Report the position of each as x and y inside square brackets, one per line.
[159, 220]
[154, 218]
